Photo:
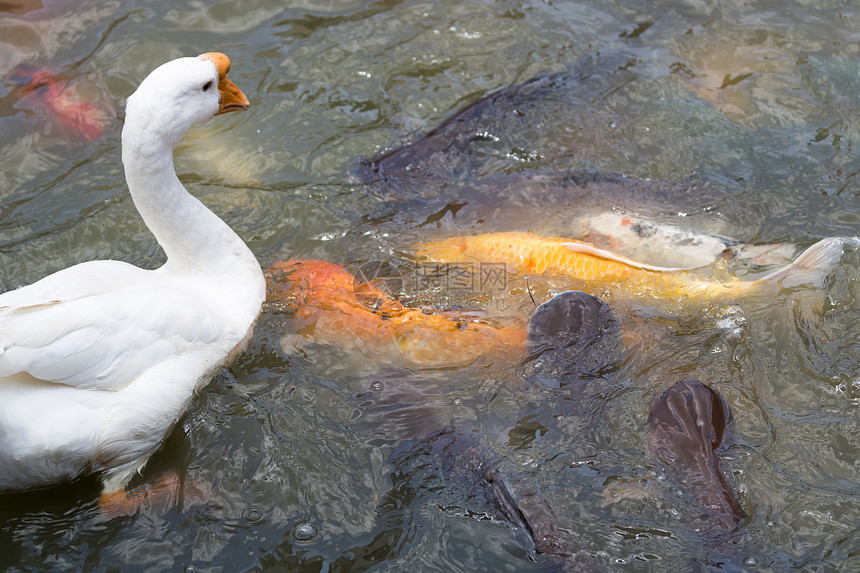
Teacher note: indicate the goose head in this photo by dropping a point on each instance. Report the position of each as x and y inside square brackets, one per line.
[180, 94]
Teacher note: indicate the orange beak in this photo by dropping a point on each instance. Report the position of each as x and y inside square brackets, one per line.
[232, 98]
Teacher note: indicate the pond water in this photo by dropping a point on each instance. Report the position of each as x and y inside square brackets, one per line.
[301, 454]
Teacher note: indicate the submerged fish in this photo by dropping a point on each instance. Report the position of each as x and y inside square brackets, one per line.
[331, 307]
[527, 253]
[78, 116]
[685, 426]
[572, 339]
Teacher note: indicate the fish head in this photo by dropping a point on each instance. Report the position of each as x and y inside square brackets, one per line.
[574, 335]
[689, 412]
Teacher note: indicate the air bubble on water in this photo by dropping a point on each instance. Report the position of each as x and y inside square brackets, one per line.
[720, 271]
[255, 513]
[376, 386]
[304, 531]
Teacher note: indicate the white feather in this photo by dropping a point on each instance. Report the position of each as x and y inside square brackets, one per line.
[97, 361]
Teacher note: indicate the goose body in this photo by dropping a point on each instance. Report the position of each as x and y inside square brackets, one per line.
[99, 360]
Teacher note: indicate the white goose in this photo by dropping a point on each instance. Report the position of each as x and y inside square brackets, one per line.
[98, 361]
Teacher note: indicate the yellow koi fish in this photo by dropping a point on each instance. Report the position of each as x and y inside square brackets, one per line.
[527, 253]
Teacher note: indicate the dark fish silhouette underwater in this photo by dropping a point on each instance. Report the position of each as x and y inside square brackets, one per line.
[569, 340]
[450, 181]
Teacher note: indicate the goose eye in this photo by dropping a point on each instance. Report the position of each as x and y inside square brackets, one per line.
[207, 86]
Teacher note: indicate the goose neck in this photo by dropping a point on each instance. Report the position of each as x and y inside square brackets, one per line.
[194, 239]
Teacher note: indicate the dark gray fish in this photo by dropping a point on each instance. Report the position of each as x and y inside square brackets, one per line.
[460, 178]
[505, 202]
[686, 425]
[572, 336]
[453, 150]
[462, 458]
[574, 332]
[571, 341]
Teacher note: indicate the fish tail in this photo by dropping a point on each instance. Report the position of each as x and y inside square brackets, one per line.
[810, 268]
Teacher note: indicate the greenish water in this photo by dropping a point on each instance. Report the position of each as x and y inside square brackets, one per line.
[301, 465]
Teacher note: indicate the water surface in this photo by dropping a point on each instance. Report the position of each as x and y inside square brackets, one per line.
[754, 103]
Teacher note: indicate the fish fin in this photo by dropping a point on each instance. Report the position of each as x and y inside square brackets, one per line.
[812, 266]
[777, 254]
[586, 249]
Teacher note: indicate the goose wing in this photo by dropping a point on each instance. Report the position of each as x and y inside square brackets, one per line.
[89, 335]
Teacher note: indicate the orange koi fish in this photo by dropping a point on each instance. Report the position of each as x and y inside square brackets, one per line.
[527, 253]
[76, 116]
[332, 308]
